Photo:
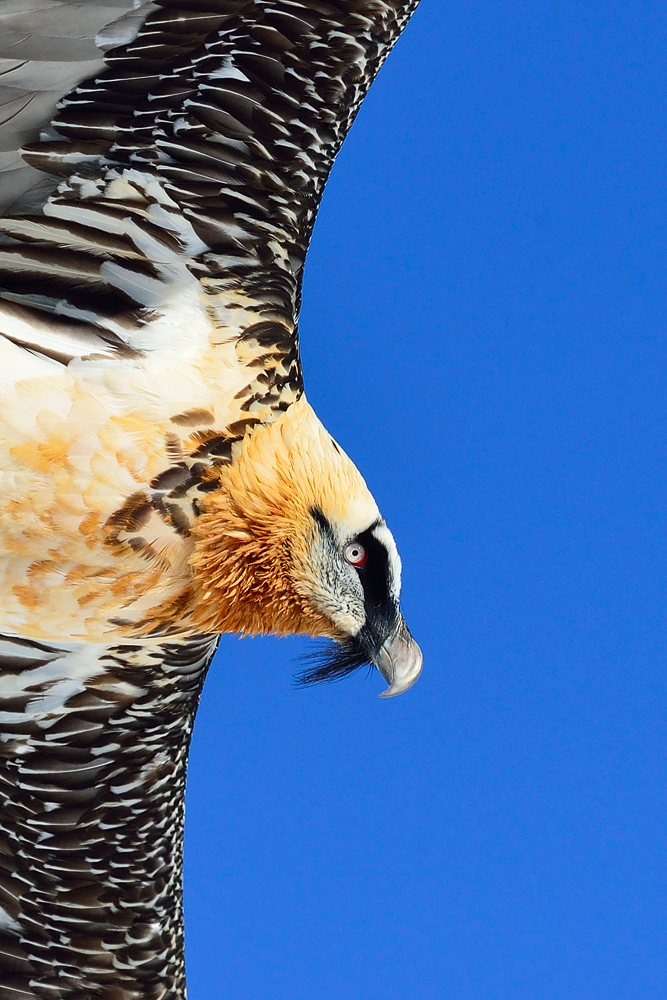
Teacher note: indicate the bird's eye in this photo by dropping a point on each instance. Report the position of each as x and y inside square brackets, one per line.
[355, 554]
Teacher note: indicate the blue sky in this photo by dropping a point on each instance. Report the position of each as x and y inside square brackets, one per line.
[483, 331]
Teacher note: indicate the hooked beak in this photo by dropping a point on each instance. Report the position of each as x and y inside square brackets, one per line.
[399, 661]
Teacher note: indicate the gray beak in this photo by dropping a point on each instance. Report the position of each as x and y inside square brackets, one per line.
[399, 661]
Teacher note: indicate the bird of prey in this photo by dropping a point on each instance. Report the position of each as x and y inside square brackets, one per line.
[164, 479]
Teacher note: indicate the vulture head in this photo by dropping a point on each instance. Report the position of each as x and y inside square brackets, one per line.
[291, 541]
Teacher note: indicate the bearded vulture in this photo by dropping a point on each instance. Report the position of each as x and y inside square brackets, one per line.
[163, 478]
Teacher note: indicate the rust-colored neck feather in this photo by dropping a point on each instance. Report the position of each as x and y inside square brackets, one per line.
[251, 561]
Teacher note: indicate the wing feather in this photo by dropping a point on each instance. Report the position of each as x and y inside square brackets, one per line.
[93, 751]
[225, 114]
[46, 48]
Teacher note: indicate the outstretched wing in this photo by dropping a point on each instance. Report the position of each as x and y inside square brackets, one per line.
[200, 148]
[93, 753]
[150, 273]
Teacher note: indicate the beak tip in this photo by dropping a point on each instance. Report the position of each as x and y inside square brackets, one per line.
[400, 663]
[390, 692]
[399, 687]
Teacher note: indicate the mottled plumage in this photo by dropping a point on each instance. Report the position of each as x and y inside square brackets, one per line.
[163, 477]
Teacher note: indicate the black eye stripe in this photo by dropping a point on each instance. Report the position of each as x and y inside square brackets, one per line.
[374, 574]
[381, 611]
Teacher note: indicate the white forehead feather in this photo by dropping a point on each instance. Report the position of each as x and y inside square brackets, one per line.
[385, 537]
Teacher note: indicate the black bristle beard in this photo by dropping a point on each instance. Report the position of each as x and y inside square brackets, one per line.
[337, 660]
[333, 662]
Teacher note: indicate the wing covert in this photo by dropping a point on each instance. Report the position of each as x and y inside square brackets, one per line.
[200, 151]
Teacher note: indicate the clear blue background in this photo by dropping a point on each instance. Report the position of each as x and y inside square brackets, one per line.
[484, 332]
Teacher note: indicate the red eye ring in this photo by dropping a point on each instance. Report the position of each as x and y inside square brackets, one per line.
[355, 554]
